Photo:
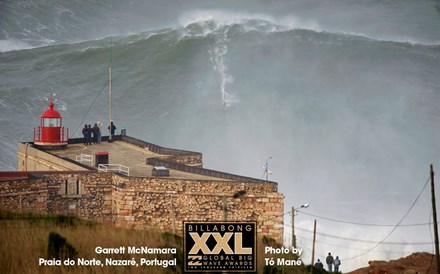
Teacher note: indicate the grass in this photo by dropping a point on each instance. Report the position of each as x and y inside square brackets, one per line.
[24, 240]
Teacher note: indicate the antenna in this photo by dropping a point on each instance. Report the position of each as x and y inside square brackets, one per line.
[111, 51]
[110, 137]
[267, 172]
[51, 98]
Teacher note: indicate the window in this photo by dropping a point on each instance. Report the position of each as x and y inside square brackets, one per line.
[51, 122]
[71, 187]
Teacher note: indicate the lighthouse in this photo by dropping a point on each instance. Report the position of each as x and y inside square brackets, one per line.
[51, 134]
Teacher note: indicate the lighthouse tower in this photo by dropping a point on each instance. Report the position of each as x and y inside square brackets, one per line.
[50, 134]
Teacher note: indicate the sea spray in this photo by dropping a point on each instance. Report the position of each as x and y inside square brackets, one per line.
[217, 53]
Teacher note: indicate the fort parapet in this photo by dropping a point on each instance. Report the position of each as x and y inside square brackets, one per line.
[61, 182]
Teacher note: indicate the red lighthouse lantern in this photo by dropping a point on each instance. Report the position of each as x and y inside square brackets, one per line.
[50, 133]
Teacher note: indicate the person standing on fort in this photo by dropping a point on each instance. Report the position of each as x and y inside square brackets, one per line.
[112, 128]
[84, 132]
[99, 132]
[89, 135]
[337, 263]
[329, 260]
[95, 132]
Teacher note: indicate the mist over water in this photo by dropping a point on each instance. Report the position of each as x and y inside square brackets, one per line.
[343, 95]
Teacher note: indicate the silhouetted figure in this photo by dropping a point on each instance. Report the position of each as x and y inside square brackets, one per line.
[84, 132]
[112, 128]
[337, 263]
[95, 131]
[319, 265]
[89, 135]
[329, 260]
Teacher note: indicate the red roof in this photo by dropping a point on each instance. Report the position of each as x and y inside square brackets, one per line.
[51, 113]
[13, 175]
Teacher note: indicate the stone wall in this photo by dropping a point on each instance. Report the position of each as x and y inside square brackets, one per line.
[86, 195]
[89, 197]
[154, 203]
[190, 159]
[24, 195]
[165, 203]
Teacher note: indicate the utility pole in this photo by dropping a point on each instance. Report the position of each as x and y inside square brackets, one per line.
[314, 240]
[293, 228]
[434, 215]
[110, 137]
[293, 223]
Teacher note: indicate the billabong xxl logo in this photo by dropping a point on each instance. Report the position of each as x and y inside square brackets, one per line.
[219, 247]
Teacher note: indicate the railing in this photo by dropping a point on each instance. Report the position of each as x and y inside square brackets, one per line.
[63, 137]
[114, 167]
[84, 158]
[158, 149]
[202, 171]
[64, 134]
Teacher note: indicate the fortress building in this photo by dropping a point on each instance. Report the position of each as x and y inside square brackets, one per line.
[132, 183]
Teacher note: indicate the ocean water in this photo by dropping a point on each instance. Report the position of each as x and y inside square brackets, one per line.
[344, 96]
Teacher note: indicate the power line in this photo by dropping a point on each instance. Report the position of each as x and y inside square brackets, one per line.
[358, 223]
[376, 243]
[347, 222]
[87, 112]
[364, 241]
[318, 254]
[350, 247]
[359, 240]
[400, 253]
[395, 227]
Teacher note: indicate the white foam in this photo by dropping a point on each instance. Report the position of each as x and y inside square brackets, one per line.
[226, 18]
[213, 20]
[11, 45]
[61, 105]
[2, 103]
[217, 52]
[220, 17]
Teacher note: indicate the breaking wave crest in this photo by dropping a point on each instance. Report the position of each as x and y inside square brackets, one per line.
[212, 32]
[198, 23]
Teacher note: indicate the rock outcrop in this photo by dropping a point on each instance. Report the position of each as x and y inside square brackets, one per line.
[416, 263]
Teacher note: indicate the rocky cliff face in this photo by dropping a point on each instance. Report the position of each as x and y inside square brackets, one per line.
[416, 263]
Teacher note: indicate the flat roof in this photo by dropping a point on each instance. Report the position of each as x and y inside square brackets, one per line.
[126, 154]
